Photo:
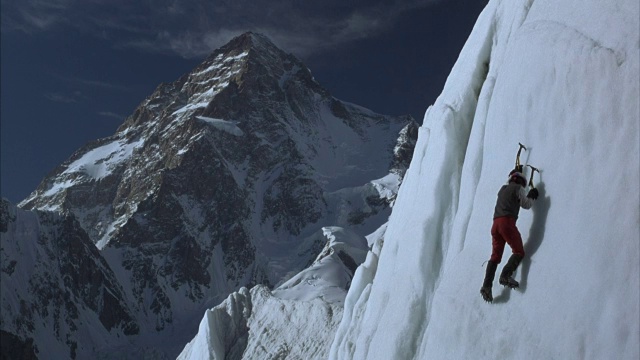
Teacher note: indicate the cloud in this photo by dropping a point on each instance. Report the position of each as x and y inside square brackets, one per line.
[34, 15]
[96, 83]
[110, 114]
[194, 28]
[80, 82]
[76, 96]
[65, 98]
[185, 44]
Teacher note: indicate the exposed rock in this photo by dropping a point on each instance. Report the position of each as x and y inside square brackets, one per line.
[55, 280]
[12, 347]
[216, 181]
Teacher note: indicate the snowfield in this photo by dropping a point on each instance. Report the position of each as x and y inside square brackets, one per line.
[230, 127]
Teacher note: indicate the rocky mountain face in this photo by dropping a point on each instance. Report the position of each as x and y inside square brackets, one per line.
[54, 282]
[219, 180]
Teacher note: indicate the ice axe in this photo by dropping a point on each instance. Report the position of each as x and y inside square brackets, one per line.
[533, 171]
[518, 165]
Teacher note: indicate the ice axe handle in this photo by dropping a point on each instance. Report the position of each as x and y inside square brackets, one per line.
[518, 166]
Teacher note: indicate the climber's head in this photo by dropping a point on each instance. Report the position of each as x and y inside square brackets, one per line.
[517, 177]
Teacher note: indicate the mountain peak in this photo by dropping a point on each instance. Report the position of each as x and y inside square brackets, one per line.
[248, 42]
[220, 179]
[251, 39]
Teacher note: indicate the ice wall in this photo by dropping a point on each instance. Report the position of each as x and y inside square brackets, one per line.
[563, 78]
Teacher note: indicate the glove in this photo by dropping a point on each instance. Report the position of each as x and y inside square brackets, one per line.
[533, 194]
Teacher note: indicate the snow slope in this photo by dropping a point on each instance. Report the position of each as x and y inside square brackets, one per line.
[256, 325]
[562, 77]
[329, 277]
[295, 321]
[228, 126]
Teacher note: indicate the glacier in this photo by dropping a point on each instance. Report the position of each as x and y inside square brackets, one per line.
[562, 77]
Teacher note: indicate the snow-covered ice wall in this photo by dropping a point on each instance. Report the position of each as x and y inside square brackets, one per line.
[562, 77]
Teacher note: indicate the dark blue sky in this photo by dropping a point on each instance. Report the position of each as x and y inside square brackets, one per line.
[73, 70]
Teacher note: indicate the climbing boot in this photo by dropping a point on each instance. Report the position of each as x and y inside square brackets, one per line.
[486, 294]
[485, 290]
[508, 270]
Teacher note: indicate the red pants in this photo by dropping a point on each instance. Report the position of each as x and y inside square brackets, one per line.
[504, 230]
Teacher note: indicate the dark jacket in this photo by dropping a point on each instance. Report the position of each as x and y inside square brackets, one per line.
[510, 198]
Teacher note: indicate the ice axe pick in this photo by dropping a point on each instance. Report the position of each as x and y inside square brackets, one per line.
[533, 171]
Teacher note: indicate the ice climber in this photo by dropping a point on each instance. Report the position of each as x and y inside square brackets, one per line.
[511, 197]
